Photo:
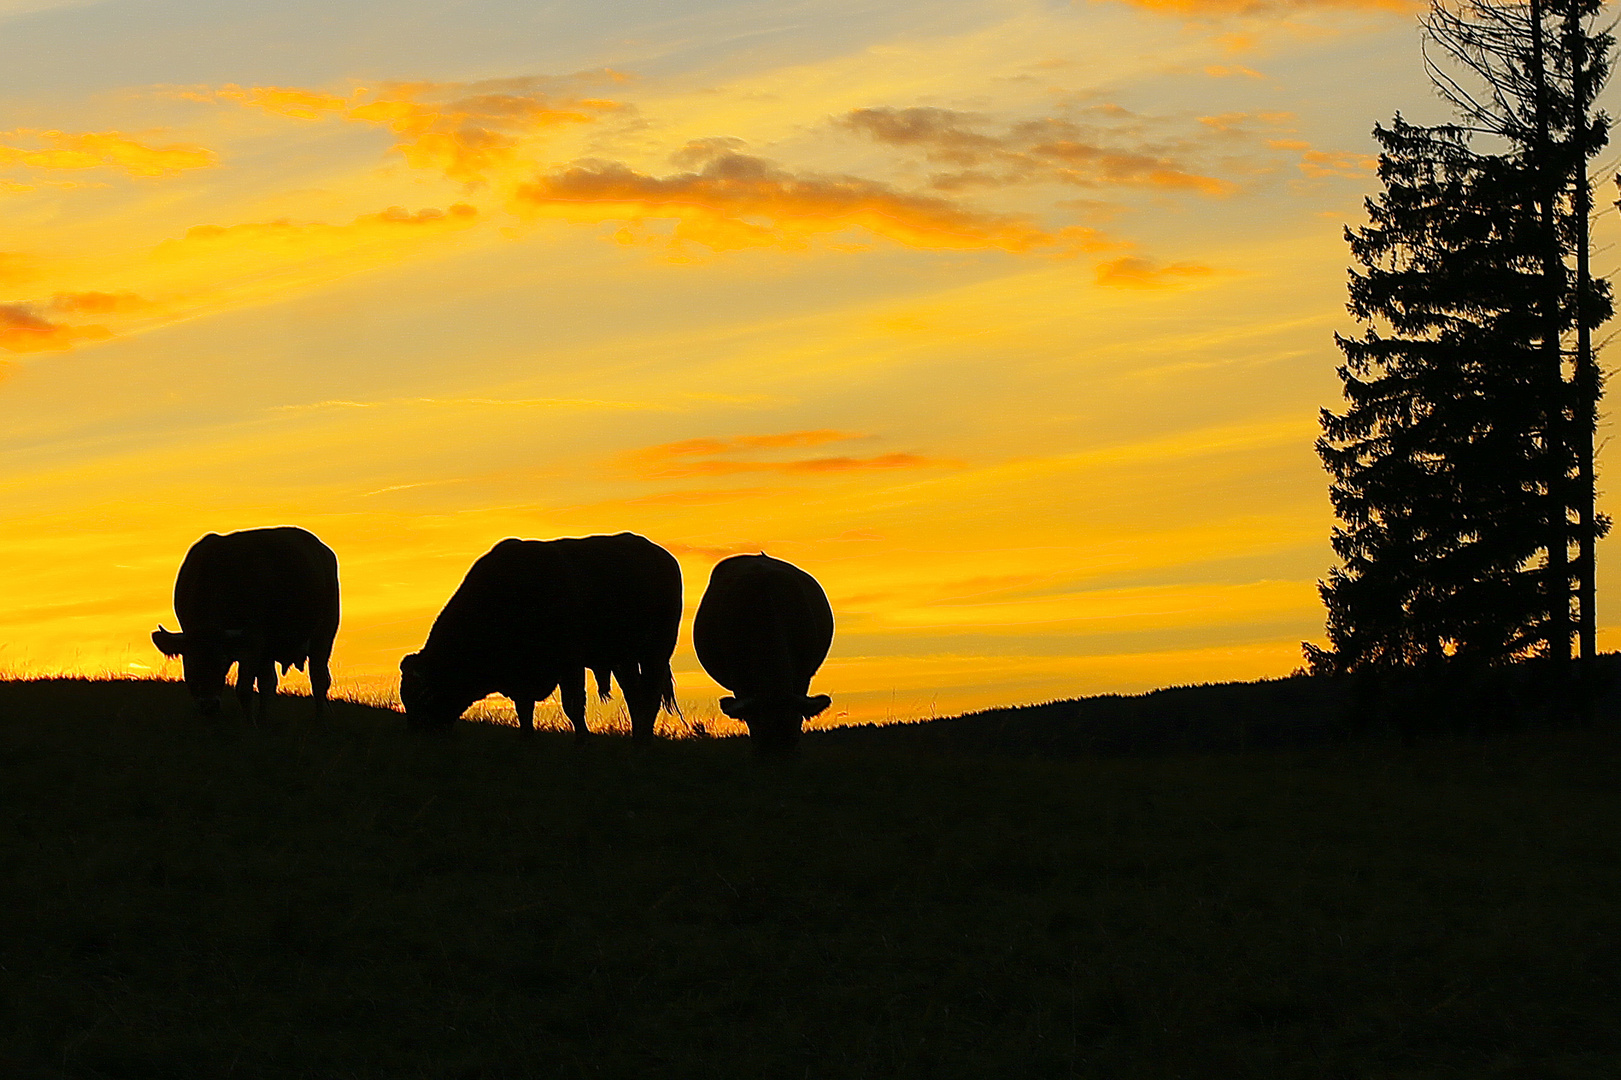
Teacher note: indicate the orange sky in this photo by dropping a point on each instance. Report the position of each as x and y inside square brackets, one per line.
[1007, 320]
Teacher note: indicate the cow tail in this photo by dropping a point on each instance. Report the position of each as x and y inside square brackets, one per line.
[667, 691]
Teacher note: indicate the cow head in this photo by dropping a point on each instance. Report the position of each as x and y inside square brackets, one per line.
[206, 657]
[774, 722]
[430, 700]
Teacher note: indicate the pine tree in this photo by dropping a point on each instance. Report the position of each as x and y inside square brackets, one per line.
[1529, 75]
[1437, 460]
[1467, 443]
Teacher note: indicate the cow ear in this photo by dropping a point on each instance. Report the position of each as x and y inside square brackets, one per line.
[813, 706]
[169, 644]
[730, 707]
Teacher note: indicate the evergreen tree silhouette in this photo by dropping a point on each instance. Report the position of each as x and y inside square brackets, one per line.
[1436, 463]
[1467, 441]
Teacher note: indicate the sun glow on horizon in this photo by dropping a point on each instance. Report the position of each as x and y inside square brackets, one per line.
[1008, 321]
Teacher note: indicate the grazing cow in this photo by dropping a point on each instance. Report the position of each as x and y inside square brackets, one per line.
[763, 628]
[533, 615]
[255, 598]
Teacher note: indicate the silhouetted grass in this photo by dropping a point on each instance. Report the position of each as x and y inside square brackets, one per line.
[193, 899]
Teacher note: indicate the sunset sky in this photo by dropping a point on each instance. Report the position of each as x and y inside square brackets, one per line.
[1008, 320]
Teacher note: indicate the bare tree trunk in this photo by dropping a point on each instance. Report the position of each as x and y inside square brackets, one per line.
[1586, 376]
[1549, 182]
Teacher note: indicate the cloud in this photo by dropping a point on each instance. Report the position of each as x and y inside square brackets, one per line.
[477, 403]
[712, 551]
[687, 448]
[22, 331]
[1321, 163]
[102, 149]
[1047, 149]
[716, 457]
[701, 497]
[1244, 123]
[881, 462]
[1131, 272]
[98, 303]
[272, 237]
[467, 131]
[213, 267]
[736, 201]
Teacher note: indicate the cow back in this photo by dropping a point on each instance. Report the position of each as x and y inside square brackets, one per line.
[280, 583]
[569, 603]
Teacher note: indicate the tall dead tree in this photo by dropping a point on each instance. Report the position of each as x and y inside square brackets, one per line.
[1529, 74]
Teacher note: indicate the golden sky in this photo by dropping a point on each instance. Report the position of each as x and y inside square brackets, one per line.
[1009, 320]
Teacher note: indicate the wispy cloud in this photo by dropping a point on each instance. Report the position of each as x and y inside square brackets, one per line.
[262, 237]
[65, 150]
[23, 331]
[1047, 149]
[736, 201]
[1131, 272]
[1323, 163]
[720, 457]
[476, 403]
[468, 131]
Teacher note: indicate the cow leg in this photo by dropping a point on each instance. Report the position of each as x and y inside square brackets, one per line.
[573, 686]
[267, 689]
[641, 701]
[320, 683]
[526, 714]
[244, 687]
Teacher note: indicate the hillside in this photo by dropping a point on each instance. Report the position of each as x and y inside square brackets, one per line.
[189, 898]
[1270, 714]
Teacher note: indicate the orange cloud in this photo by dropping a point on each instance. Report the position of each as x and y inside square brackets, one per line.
[881, 462]
[711, 551]
[708, 457]
[711, 447]
[102, 149]
[1130, 272]
[1048, 149]
[22, 331]
[1228, 71]
[1321, 163]
[700, 498]
[467, 131]
[263, 235]
[736, 202]
[212, 267]
[98, 303]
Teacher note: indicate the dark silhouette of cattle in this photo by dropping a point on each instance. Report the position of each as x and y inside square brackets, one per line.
[255, 598]
[762, 629]
[532, 615]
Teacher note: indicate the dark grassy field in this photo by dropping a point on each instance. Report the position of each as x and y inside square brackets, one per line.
[192, 899]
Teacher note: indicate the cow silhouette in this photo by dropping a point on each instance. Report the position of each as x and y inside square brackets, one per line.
[532, 615]
[762, 629]
[255, 598]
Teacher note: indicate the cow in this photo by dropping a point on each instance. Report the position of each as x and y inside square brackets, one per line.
[255, 598]
[762, 629]
[533, 615]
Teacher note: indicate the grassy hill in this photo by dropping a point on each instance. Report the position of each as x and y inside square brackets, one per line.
[195, 899]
